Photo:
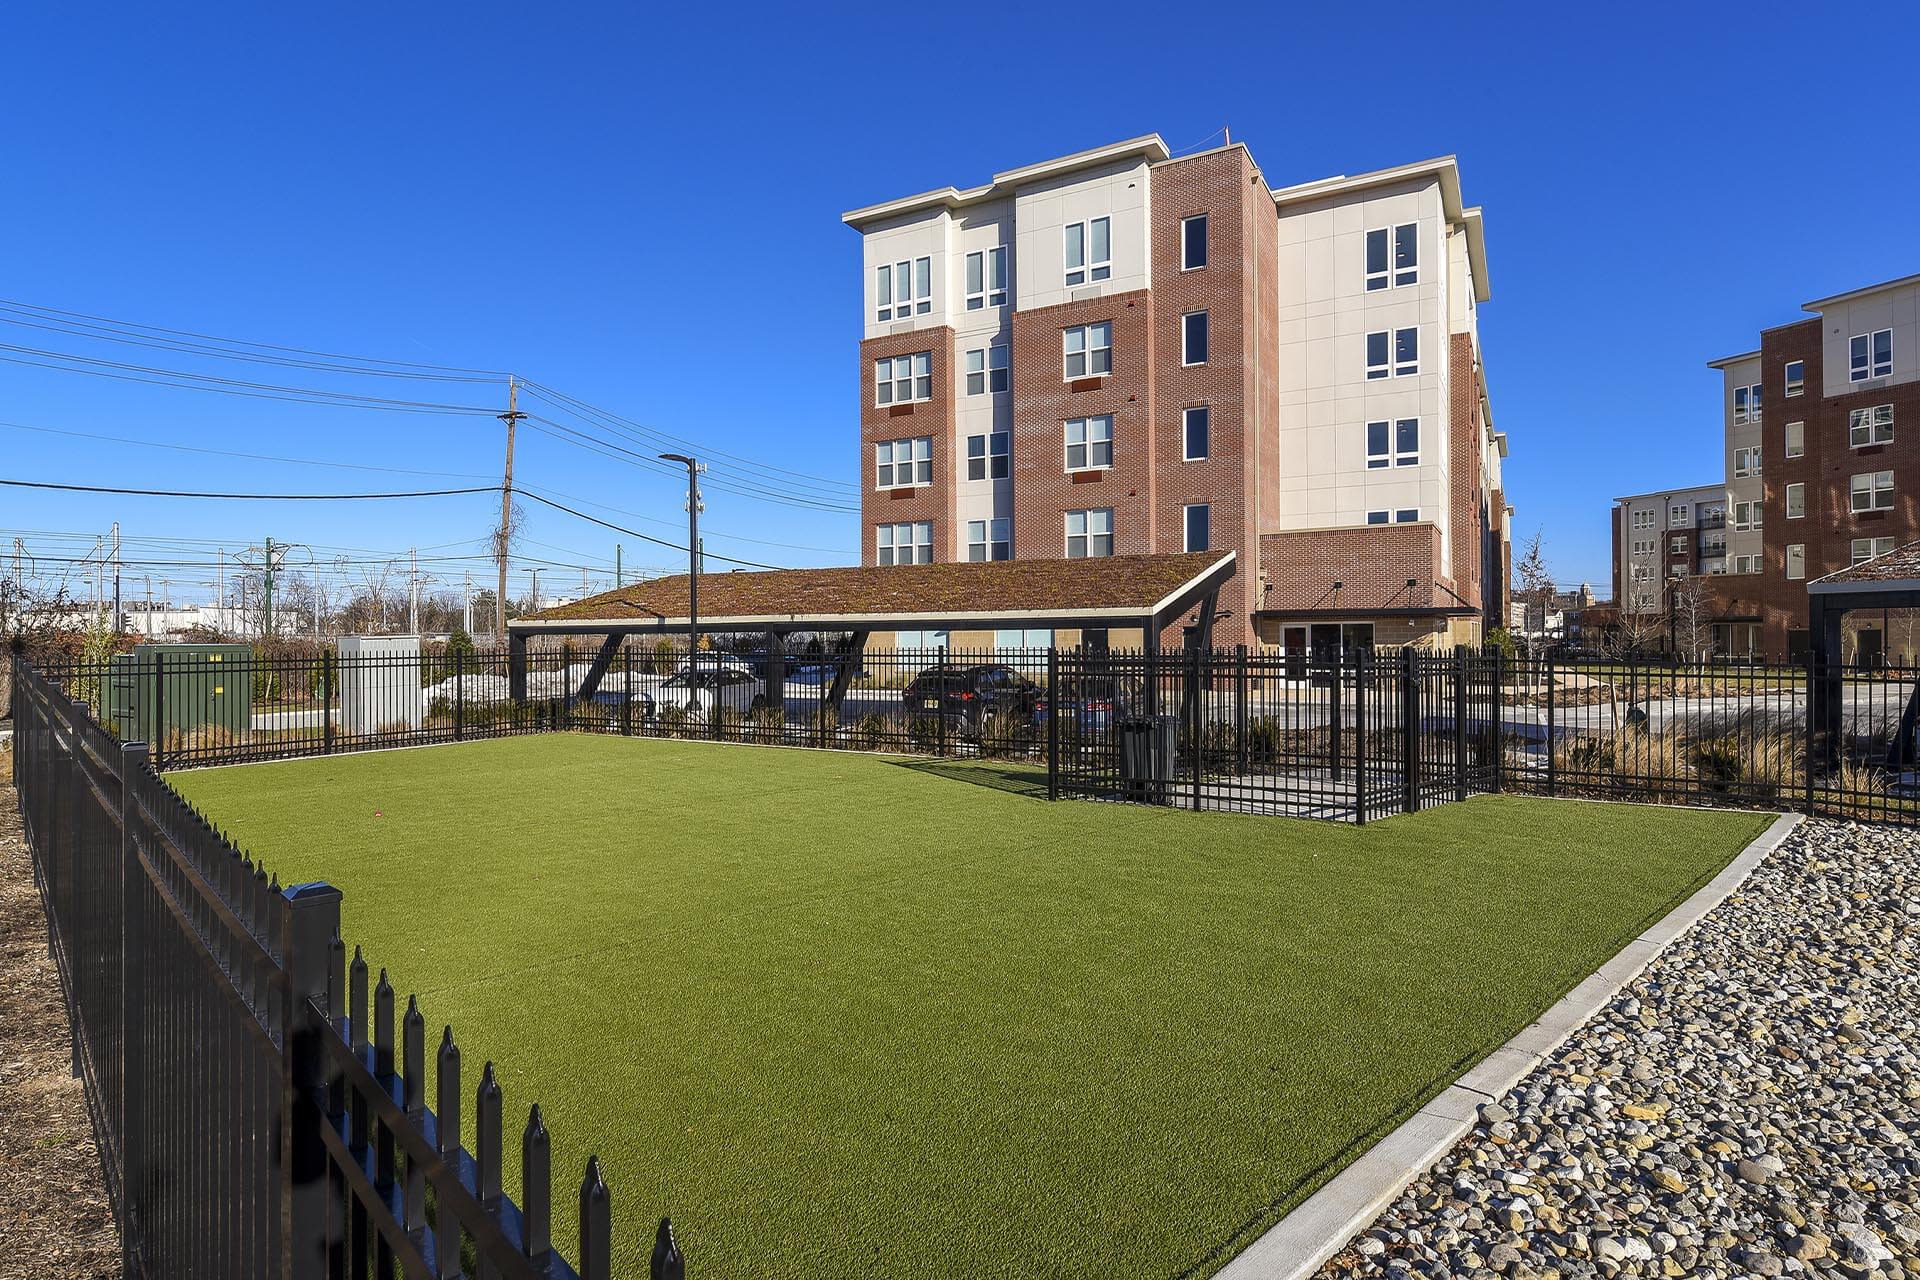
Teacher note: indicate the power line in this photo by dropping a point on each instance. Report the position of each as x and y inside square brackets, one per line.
[248, 497]
[647, 537]
[647, 462]
[250, 457]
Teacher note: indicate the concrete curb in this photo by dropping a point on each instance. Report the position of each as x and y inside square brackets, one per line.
[1298, 1245]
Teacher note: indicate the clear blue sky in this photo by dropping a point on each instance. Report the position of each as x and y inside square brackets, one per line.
[642, 211]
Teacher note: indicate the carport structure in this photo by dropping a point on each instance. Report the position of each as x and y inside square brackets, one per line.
[1890, 581]
[1148, 592]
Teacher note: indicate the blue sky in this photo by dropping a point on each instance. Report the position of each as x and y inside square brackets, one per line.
[642, 211]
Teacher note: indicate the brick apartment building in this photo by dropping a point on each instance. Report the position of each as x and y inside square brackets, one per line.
[1823, 463]
[1119, 351]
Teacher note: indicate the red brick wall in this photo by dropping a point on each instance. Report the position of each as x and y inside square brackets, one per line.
[1043, 400]
[1463, 450]
[933, 418]
[1372, 563]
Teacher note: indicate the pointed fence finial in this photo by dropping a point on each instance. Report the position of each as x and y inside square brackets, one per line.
[596, 1225]
[487, 1137]
[667, 1263]
[536, 1187]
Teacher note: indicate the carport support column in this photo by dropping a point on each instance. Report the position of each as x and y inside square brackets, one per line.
[517, 665]
[776, 671]
[1825, 677]
[852, 655]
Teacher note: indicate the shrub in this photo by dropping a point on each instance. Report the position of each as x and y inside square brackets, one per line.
[1004, 734]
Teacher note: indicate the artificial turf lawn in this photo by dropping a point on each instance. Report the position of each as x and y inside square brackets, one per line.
[845, 1016]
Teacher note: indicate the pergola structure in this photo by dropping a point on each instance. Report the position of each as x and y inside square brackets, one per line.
[1150, 592]
[1890, 581]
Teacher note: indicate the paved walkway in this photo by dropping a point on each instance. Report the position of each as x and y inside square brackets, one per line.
[1749, 1106]
[54, 1219]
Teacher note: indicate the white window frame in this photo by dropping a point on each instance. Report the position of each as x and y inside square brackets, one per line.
[1878, 491]
[1379, 517]
[1677, 545]
[1746, 462]
[1794, 440]
[1401, 456]
[1186, 526]
[1095, 523]
[1186, 432]
[993, 460]
[1186, 338]
[989, 539]
[1864, 549]
[915, 298]
[988, 269]
[913, 372]
[1791, 385]
[1186, 242]
[1679, 513]
[1394, 273]
[1397, 366]
[1746, 516]
[1092, 268]
[1406, 515]
[1746, 403]
[913, 537]
[1095, 350]
[1863, 365]
[989, 370]
[1797, 501]
[1381, 458]
[1644, 519]
[911, 457]
[1796, 561]
[1092, 434]
[1869, 425]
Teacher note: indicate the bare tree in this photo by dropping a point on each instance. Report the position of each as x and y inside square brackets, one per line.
[1536, 585]
[1691, 604]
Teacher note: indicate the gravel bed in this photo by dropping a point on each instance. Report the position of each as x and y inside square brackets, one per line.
[1749, 1106]
[54, 1220]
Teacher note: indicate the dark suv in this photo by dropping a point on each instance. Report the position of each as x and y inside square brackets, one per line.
[968, 695]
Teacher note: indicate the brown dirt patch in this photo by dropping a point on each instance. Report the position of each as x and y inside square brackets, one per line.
[54, 1215]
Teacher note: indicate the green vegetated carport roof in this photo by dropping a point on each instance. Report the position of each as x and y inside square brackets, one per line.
[1118, 591]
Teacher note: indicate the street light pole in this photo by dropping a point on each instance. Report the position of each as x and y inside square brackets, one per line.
[693, 546]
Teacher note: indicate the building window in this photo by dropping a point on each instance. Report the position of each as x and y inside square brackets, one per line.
[1376, 517]
[1379, 447]
[1746, 403]
[987, 278]
[1089, 250]
[1642, 572]
[1642, 546]
[1199, 523]
[903, 379]
[1746, 462]
[904, 289]
[1867, 548]
[1089, 533]
[1407, 515]
[1405, 262]
[1193, 242]
[1643, 519]
[1872, 355]
[1796, 560]
[1796, 439]
[1677, 546]
[1746, 515]
[1796, 377]
[1871, 425]
[1405, 443]
[900, 464]
[1679, 513]
[1196, 429]
[1089, 350]
[1872, 491]
[1405, 350]
[988, 369]
[1089, 443]
[987, 456]
[1677, 570]
[904, 543]
[1747, 564]
[1796, 501]
[1193, 338]
[988, 540]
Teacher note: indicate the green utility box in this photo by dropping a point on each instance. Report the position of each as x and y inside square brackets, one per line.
[182, 687]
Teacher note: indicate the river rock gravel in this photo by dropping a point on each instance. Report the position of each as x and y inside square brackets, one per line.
[1748, 1106]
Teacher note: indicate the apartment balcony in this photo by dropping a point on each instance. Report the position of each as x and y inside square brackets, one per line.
[1711, 520]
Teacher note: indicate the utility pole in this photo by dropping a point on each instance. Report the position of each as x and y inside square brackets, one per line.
[119, 619]
[220, 595]
[413, 591]
[511, 417]
[618, 581]
[267, 630]
[466, 605]
[583, 582]
[693, 546]
[533, 602]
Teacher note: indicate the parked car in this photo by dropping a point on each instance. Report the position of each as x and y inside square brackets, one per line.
[970, 694]
[699, 691]
[1093, 703]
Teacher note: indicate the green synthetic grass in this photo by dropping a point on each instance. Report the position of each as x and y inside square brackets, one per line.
[842, 1015]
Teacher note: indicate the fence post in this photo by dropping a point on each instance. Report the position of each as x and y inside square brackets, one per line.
[1462, 707]
[1813, 674]
[1196, 720]
[1410, 730]
[1359, 729]
[940, 705]
[1053, 722]
[1334, 745]
[1553, 773]
[626, 690]
[310, 921]
[459, 698]
[1240, 694]
[566, 684]
[326, 701]
[1498, 722]
[158, 739]
[133, 760]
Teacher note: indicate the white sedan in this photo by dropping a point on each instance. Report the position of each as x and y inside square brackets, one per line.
[699, 692]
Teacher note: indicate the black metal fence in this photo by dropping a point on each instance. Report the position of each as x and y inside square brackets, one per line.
[1351, 736]
[256, 1116]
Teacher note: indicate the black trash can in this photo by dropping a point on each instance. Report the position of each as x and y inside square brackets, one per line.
[1148, 746]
